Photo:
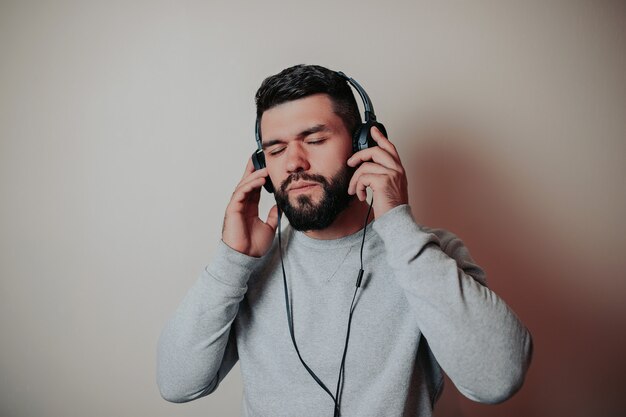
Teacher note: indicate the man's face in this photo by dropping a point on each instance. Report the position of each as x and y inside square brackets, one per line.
[306, 148]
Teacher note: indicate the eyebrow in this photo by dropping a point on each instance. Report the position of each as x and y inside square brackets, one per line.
[306, 132]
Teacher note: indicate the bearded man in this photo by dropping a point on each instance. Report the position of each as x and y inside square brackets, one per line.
[354, 309]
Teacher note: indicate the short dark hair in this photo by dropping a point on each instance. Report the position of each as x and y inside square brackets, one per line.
[301, 81]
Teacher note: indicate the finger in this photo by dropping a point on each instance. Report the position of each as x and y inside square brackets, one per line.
[366, 168]
[248, 176]
[254, 175]
[361, 186]
[249, 192]
[272, 218]
[383, 142]
[249, 169]
[376, 154]
[367, 180]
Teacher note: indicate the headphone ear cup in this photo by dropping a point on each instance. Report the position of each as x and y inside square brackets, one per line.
[356, 138]
[363, 139]
[258, 160]
[380, 127]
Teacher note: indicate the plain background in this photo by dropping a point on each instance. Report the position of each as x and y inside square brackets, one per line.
[125, 126]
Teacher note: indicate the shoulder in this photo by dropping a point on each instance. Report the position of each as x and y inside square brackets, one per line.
[456, 249]
[403, 236]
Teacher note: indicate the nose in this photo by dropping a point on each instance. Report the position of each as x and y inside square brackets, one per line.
[297, 159]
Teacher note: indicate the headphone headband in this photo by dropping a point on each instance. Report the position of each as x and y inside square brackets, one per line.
[257, 133]
[367, 103]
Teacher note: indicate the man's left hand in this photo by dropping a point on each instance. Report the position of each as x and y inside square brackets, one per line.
[382, 171]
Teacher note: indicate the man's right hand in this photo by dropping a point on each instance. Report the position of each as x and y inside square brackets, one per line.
[243, 230]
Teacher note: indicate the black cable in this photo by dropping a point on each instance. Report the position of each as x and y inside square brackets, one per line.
[290, 319]
[336, 398]
[339, 391]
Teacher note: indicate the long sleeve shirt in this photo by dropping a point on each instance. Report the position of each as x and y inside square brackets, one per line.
[423, 307]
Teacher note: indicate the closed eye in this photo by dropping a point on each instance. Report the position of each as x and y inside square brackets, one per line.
[316, 141]
[277, 151]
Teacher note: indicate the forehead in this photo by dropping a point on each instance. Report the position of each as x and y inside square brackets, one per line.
[288, 119]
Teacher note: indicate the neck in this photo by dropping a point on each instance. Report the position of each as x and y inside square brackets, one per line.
[348, 222]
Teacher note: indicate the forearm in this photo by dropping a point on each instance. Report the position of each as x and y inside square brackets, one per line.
[194, 351]
[474, 335]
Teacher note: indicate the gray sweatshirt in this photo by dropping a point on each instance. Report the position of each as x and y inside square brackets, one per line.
[423, 306]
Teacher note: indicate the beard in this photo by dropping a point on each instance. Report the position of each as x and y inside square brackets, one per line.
[304, 214]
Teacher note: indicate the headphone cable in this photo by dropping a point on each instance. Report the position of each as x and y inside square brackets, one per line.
[340, 380]
[337, 397]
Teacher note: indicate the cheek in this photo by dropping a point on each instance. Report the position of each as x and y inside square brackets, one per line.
[276, 175]
[331, 162]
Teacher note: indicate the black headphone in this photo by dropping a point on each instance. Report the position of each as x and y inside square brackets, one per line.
[361, 138]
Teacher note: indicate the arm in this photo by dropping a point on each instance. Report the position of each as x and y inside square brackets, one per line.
[197, 346]
[475, 337]
[473, 334]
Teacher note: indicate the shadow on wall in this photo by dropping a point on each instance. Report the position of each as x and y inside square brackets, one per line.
[578, 359]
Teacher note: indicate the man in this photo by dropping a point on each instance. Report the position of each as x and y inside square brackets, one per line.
[422, 305]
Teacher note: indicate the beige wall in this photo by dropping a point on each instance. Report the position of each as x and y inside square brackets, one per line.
[124, 127]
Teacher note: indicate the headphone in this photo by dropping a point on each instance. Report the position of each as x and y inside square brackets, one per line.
[361, 138]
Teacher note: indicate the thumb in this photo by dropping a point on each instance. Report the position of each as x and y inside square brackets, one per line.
[272, 218]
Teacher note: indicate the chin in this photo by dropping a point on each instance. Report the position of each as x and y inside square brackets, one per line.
[302, 200]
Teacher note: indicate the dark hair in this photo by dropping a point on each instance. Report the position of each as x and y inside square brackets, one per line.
[301, 81]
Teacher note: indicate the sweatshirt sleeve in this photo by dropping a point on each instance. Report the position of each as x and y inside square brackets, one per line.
[475, 337]
[197, 348]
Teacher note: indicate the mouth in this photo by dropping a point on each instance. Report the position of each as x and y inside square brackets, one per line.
[302, 187]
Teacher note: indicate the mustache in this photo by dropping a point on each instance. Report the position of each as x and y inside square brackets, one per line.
[300, 175]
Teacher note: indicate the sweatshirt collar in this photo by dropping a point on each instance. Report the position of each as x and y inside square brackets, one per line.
[342, 242]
